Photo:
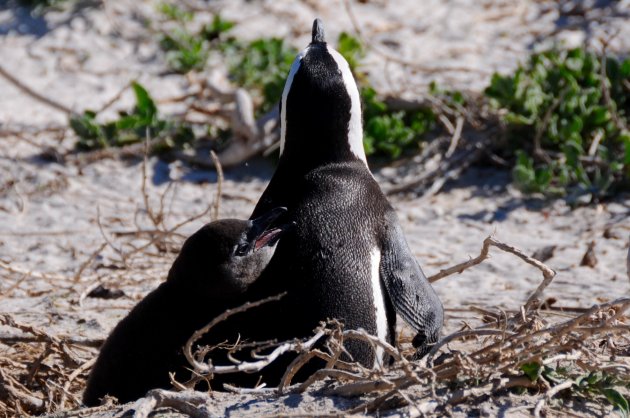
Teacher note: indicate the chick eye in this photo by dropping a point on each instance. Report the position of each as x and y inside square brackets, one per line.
[241, 249]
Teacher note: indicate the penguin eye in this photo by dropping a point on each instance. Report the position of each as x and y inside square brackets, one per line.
[241, 249]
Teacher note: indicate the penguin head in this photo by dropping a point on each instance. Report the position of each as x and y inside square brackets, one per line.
[224, 257]
[320, 109]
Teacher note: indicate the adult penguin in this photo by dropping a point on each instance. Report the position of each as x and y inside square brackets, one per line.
[347, 257]
[213, 270]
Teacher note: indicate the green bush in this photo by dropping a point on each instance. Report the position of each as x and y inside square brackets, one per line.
[352, 50]
[594, 385]
[262, 67]
[216, 28]
[386, 132]
[186, 51]
[130, 128]
[173, 12]
[567, 118]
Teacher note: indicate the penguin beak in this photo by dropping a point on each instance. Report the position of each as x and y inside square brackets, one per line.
[262, 234]
[318, 31]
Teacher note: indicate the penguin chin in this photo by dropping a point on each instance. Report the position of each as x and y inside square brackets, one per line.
[242, 271]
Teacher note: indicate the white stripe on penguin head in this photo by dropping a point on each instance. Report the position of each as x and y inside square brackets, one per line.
[285, 93]
[355, 128]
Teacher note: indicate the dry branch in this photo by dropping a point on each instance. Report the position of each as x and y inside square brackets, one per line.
[457, 133]
[203, 368]
[488, 365]
[31, 384]
[496, 385]
[434, 168]
[297, 363]
[11, 339]
[461, 335]
[185, 402]
[548, 274]
[32, 93]
[32, 273]
[550, 394]
[81, 369]
[217, 200]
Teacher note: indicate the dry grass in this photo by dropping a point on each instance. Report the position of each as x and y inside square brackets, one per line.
[43, 373]
[582, 356]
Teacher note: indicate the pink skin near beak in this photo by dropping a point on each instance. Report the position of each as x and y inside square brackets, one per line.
[266, 237]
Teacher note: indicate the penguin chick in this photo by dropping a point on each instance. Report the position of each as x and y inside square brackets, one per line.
[215, 265]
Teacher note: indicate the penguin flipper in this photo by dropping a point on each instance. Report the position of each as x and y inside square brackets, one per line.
[409, 290]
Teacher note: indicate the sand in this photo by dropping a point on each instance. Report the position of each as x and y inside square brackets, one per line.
[50, 211]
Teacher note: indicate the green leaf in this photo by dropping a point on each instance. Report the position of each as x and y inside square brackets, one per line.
[262, 66]
[501, 88]
[184, 51]
[617, 400]
[145, 105]
[174, 12]
[594, 378]
[130, 127]
[458, 97]
[220, 25]
[599, 115]
[85, 125]
[524, 178]
[372, 106]
[351, 49]
[524, 160]
[517, 119]
[532, 370]
[562, 97]
[625, 139]
[131, 122]
[216, 28]
[543, 177]
[553, 375]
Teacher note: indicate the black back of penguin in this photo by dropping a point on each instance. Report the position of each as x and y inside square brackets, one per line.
[214, 268]
[334, 265]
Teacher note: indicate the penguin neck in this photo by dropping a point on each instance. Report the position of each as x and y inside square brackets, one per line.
[301, 157]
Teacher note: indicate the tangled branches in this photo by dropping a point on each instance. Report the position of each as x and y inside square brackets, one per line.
[529, 349]
[465, 365]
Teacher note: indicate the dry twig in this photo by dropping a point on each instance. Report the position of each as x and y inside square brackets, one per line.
[217, 200]
[548, 274]
[203, 368]
[185, 402]
[32, 93]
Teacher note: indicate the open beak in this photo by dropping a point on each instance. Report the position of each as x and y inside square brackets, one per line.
[263, 232]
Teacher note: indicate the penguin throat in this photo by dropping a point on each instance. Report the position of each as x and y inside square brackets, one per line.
[320, 115]
[300, 157]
